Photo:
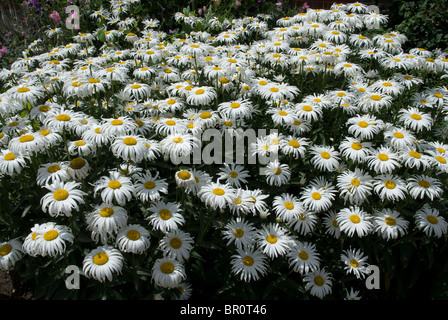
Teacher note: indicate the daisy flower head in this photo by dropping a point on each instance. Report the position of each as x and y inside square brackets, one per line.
[399, 138]
[303, 257]
[120, 126]
[431, 222]
[10, 252]
[102, 263]
[325, 158]
[105, 220]
[168, 272]
[389, 224]
[52, 239]
[28, 144]
[277, 174]
[423, 186]
[415, 119]
[51, 172]
[129, 148]
[78, 168]
[185, 291]
[295, 146]
[331, 224]
[318, 282]
[273, 240]
[354, 220]
[390, 187]
[364, 126]
[201, 96]
[286, 206]
[63, 198]
[11, 163]
[355, 186]
[114, 187]
[133, 238]
[240, 232]
[316, 198]
[410, 157]
[177, 244]
[383, 160]
[165, 216]
[149, 187]
[355, 262]
[217, 195]
[249, 263]
[233, 174]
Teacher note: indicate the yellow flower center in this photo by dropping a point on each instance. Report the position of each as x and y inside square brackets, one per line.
[398, 135]
[274, 89]
[316, 195]
[307, 108]
[5, 249]
[130, 141]
[80, 143]
[63, 117]
[387, 84]
[325, 155]
[106, 212]
[375, 97]
[416, 116]
[133, 235]
[233, 174]
[238, 233]
[235, 105]
[94, 80]
[51, 235]
[431, 219]
[289, 205]
[77, 163]
[165, 214]
[23, 90]
[205, 115]
[100, 258]
[136, 86]
[415, 154]
[354, 263]
[355, 182]
[424, 184]
[167, 267]
[294, 143]
[218, 191]
[356, 146]
[390, 221]
[26, 138]
[54, 168]
[248, 261]
[276, 171]
[60, 195]
[271, 239]
[441, 150]
[9, 156]
[363, 124]
[184, 175]
[44, 108]
[175, 243]
[149, 185]
[441, 159]
[199, 91]
[383, 157]
[283, 113]
[319, 281]
[114, 184]
[355, 218]
[389, 184]
[116, 122]
[303, 255]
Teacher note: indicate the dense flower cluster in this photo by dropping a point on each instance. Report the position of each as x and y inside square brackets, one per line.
[360, 138]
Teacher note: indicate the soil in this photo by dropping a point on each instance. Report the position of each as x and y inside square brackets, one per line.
[11, 289]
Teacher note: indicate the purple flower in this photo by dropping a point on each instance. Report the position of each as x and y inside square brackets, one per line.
[238, 4]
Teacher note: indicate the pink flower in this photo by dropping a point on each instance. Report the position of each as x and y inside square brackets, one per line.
[55, 16]
[238, 4]
[3, 50]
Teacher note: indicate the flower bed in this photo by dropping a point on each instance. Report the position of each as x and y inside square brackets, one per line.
[108, 165]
